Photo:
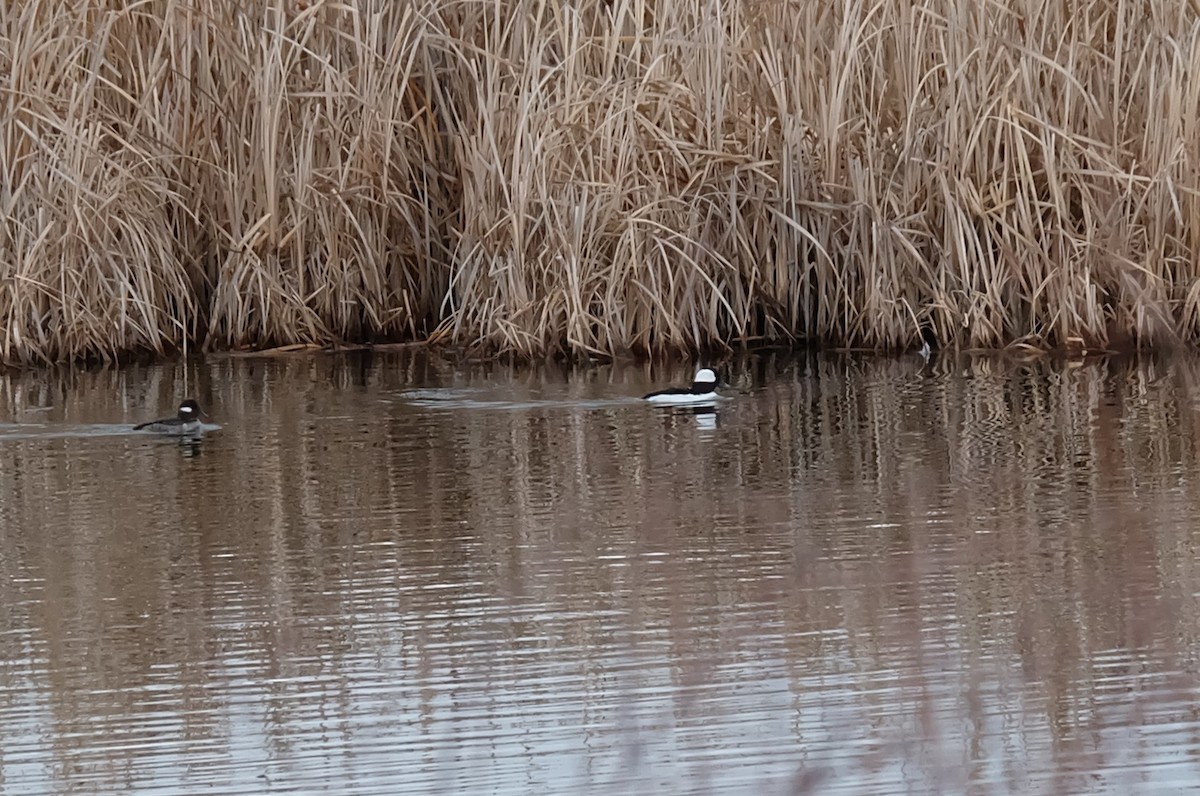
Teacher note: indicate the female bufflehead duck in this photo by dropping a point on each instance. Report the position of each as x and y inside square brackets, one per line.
[703, 390]
[187, 421]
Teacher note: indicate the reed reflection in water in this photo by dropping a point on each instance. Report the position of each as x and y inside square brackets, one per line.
[395, 574]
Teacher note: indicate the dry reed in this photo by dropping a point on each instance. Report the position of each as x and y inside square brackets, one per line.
[599, 176]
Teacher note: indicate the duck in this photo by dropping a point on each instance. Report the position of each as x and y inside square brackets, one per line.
[703, 390]
[186, 421]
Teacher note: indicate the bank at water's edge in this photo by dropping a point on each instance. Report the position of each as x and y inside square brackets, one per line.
[595, 177]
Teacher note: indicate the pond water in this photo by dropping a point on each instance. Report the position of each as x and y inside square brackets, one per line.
[393, 573]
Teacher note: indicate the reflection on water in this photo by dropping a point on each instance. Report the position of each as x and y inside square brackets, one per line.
[395, 574]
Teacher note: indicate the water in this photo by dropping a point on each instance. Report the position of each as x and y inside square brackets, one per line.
[398, 574]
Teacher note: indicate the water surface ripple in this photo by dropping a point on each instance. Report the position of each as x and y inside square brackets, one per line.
[395, 574]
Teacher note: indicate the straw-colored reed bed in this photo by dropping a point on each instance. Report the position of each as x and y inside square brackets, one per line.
[596, 176]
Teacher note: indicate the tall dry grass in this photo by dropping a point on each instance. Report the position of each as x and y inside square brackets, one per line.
[542, 176]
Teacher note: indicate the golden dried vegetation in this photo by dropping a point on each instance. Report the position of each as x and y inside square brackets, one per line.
[596, 176]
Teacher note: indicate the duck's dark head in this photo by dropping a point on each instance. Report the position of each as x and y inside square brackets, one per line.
[704, 382]
[189, 410]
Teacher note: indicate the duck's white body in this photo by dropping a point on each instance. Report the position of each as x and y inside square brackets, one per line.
[702, 391]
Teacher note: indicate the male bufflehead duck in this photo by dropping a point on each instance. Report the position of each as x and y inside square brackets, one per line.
[187, 421]
[703, 390]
